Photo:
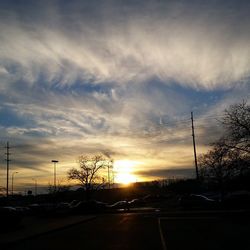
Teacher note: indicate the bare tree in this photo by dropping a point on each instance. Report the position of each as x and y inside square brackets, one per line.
[220, 164]
[88, 174]
[237, 123]
[229, 156]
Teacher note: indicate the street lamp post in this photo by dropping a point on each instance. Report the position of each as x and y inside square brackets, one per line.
[12, 182]
[54, 161]
[35, 180]
[108, 176]
[110, 165]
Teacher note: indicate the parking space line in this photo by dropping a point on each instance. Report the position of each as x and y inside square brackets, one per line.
[189, 218]
[161, 235]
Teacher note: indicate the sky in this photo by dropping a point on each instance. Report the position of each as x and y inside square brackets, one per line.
[120, 78]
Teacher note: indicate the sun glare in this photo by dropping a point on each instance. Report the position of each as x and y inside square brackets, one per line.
[124, 171]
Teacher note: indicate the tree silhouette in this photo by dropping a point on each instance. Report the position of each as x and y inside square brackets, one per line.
[237, 124]
[88, 174]
[218, 165]
[229, 156]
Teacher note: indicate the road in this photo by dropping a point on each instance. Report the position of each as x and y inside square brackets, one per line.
[149, 231]
[107, 232]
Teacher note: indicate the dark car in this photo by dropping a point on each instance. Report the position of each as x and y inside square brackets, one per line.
[9, 217]
[153, 198]
[63, 206]
[119, 205]
[192, 201]
[23, 210]
[240, 199]
[136, 203]
[45, 209]
[73, 203]
[92, 206]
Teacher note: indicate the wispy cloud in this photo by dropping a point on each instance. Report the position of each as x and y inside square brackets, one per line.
[118, 77]
[197, 45]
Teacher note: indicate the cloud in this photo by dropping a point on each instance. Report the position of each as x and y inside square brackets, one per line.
[168, 173]
[119, 77]
[197, 45]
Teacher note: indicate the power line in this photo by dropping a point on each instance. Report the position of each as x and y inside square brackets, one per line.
[186, 121]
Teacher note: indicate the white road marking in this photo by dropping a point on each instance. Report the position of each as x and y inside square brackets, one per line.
[163, 241]
[189, 218]
[161, 235]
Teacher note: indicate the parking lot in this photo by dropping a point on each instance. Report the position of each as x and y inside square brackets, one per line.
[206, 232]
[148, 230]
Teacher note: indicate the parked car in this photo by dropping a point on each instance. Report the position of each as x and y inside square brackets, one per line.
[119, 205]
[9, 218]
[62, 205]
[153, 198]
[239, 199]
[42, 209]
[136, 203]
[192, 201]
[23, 210]
[73, 203]
[92, 206]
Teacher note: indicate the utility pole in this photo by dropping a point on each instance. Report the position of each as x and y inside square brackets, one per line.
[108, 177]
[12, 183]
[35, 180]
[8, 165]
[113, 176]
[55, 161]
[110, 167]
[195, 157]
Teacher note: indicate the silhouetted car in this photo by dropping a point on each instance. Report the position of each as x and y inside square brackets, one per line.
[42, 209]
[136, 203]
[35, 208]
[23, 210]
[196, 201]
[240, 199]
[92, 206]
[119, 205]
[63, 205]
[73, 203]
[9, 218]
[153, 198]
[8, 209]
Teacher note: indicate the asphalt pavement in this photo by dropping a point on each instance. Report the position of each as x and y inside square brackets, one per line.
[211, 230]
[207, 232]
[125, 231]
[33, 226]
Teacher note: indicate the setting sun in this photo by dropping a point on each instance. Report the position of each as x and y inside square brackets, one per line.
[124, 171]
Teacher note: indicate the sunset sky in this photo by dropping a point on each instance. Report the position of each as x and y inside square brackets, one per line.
[117, 77]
